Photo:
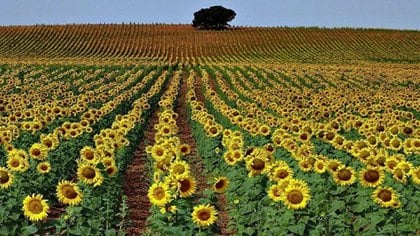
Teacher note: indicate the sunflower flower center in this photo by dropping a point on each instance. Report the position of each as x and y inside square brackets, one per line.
[4, 177]
[185, 185]
[371, 176]
[88, 173]
[295, 197]
[68, 192]
[220, 184]
[159, 193]
[258, 164]
[282, 174]
[36, 152]
[204, 215]
[179, 169]
[35, 206]
[15, 163]
[385, 195]
[89, 155]
[344, 174]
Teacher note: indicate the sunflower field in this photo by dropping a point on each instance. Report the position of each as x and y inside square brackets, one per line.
[162, 130]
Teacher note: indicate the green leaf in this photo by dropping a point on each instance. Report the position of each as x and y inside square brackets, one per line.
[111, 232]
[29, 230]
[297, 229]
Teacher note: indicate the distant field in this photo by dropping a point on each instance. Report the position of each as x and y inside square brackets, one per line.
[181, 43]
[164, 130]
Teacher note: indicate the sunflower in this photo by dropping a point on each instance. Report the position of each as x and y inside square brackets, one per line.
[282, 171]
[344, 176]
[320, 166]
[275, 192]
[221, 184]
[186, 186]
[333, 165]
[159, 194]
[371, 177]
[68, 193]
[43, 167]
[158, 152]
[296, 197]
[415, 174]
[204, 215]
[112, 170]
[16, 163]
[88, 154]
[178, 168]
[305, 165]
[256, 166]
[399, 175]
[38, 151]
[229, 159]
[35, 207]
[385, 197]
[185, 149]
[6, 178]
[89, 174]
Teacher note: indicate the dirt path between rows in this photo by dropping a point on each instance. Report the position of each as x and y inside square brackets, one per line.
[136, 181]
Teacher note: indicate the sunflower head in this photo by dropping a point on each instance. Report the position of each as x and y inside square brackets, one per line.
[371, 177]
[89, 174]
[344, 176]
[296, 196]
[159, 194]
[275, 192]
[386, 197]
[221, 184]
[68, 193]
[38, 151]
[35, 207]
[6, 178]
[186, 186]
[204, 215]
[43, 167]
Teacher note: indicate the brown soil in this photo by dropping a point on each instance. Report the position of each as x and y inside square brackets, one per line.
[136, 182]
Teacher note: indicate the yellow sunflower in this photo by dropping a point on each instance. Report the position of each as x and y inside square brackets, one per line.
[158, 152]
[43, 167]
[415, 174]
[159, 194]
[344, 176]
[88, 154]
[386, 197]
[38, 151]
[6, 178]
[283, 171]
[186, 186]
[112, 170]
[371, 177]
[399, 175]
[68, 193]
[35, 207]
[185, 149]
[178, 168]
[296, 197]
[89, 174]
[221, 184]
[320, 166]
[204, 215]
[275, 192]
[17, 163]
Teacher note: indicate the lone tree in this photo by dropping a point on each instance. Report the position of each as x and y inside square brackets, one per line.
[215, 17]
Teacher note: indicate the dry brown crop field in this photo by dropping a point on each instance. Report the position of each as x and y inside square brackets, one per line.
[166, 130]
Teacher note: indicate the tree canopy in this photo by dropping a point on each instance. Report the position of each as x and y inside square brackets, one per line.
[215, 17]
